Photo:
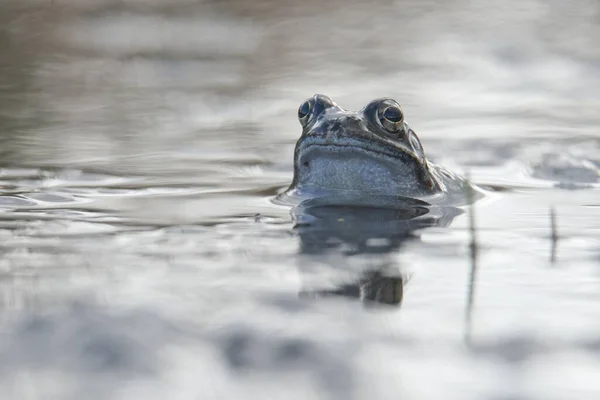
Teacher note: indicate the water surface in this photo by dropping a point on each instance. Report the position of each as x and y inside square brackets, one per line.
[141, 144]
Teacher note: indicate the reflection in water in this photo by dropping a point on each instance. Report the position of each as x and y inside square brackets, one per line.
[362, 241]
[371, 287]
[474, 250]
[553, 235]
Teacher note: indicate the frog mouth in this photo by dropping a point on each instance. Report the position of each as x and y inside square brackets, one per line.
[355, 166]
[373, 151]
[370, 150]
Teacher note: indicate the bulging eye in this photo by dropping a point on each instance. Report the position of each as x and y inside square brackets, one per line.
[391, 117]
[304, 111]
[313, 107]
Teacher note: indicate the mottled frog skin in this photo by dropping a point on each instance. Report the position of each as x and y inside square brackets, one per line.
[369, 156]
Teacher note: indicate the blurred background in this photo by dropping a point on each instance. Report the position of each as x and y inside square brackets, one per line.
[141, 143]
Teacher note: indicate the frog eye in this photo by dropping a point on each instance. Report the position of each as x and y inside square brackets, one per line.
[313, 107]
[304, 111]
[391, 117]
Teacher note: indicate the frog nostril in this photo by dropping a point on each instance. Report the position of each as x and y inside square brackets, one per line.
[306, 164]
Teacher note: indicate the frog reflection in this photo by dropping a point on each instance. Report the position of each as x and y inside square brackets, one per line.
[356, 247]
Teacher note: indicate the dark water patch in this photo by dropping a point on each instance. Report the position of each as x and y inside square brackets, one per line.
[15, 201]
[85, 342]
[250, 352]
[566, 169]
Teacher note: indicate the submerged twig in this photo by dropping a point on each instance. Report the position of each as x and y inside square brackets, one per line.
[553, 235]
[474, 257]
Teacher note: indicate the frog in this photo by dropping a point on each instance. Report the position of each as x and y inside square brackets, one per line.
[367, 156]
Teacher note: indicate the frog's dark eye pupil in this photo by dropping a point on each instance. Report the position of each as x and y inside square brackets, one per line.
[392, 114]
[391, 118]
[304, 110]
